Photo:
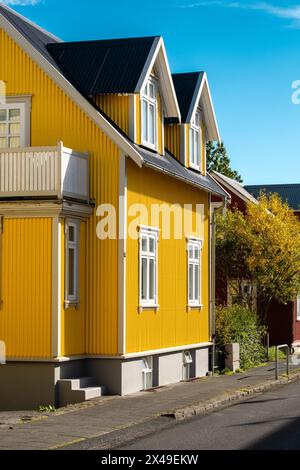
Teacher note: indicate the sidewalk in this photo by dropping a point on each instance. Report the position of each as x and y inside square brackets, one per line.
[101, 418]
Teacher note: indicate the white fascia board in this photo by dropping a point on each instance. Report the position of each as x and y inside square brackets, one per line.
[222, 182]
[158, 55]
[202, 92]
[71, 91]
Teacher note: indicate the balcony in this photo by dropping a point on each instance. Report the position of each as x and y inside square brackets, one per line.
[54, 172]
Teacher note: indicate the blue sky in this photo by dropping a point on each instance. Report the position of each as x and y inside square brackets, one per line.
[250, 50]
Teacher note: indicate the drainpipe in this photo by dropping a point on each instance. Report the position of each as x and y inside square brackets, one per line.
[214, 207]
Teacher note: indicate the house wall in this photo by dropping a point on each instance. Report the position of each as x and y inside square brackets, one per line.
[25, 310]
[172, 139]
[173, 324]
[117, 108]
[56, 117]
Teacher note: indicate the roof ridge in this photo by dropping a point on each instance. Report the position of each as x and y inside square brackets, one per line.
[31, 23]
[99, 41]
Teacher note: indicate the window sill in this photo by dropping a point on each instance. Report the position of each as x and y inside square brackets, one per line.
[149, 146]
[194, 307]
[149, 307]
[71, 304]
[195, 167]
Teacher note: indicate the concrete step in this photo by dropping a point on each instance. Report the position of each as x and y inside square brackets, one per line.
[77, 390]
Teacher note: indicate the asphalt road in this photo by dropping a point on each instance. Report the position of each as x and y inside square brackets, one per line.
[269, 421]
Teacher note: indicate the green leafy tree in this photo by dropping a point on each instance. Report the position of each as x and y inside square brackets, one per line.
[218, 160]
[262, 246]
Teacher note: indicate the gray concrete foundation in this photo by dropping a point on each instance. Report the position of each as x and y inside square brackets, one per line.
[28, 385]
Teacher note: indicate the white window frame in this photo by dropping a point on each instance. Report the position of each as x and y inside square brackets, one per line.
[147, 371]
[148, 233]
[22, 102]
[298, 308]
[72, 299]
[197, 264]
[150, 101]
[195, 129]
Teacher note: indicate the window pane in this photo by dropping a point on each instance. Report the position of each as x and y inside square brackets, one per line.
[197, 120]
[196, 148]
[144, 244]
[14, 115]
[151, 123]
[14, 142]
[151, 90]
[151, 279]
[152, 245]
[145, 121]
[197, 286]
[14, 129]
[197, 253]
[2, 114]
[71, 271]
[3, 129]
[144, 279]
[191, 145]
[71, 231]
[3, 143]
[191, 252]
[191, 282]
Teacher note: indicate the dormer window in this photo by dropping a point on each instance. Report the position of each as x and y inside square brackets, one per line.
[195, 142]
[149, 114]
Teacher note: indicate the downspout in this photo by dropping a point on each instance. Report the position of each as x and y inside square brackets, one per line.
[214, 207]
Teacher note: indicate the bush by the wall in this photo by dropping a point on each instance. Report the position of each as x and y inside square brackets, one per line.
[237, 324]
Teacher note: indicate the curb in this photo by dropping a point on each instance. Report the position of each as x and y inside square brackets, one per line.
[230, 397]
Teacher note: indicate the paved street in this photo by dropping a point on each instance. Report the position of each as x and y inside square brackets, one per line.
[269, 421]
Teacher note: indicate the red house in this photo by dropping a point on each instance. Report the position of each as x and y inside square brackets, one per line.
[283, 321]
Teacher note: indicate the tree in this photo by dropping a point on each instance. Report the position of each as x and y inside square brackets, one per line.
[218, 160]
[263, 247]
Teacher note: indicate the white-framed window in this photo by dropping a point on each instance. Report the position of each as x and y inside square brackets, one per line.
[194, 250]
[72, 262]
[149, 114]
[12, 125]
[186, 365]
[195, 142]
[298, 308]
[148, 267]
[147, 373]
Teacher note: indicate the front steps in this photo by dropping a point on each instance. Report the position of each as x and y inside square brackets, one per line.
[78, 390]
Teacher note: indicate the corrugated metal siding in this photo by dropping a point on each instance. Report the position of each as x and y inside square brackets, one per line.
[73, 321]
[25, 315]
[172, 139]
[117, 108]
[55, 117]
[172, 325]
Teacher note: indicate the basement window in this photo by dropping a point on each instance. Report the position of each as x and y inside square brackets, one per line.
[147, 373]
[72, 263]
[186, 367]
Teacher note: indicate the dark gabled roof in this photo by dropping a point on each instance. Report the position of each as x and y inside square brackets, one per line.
[105, 66]
[171, 166]
[37, 36]
[289, 193]
[185, 86]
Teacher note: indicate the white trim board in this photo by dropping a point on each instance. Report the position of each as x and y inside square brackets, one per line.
[71, 91]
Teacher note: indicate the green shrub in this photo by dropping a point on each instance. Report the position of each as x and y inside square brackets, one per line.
[237, 324]
[272, 354]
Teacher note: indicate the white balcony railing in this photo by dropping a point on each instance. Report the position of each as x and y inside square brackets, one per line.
[44, 171]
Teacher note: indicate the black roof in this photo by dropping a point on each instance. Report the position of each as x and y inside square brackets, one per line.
[185, 85]
[37, 36]
[171, 166]
[289, 193]
[105, 66]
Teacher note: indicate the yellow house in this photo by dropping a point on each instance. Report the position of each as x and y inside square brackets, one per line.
[106, 243]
